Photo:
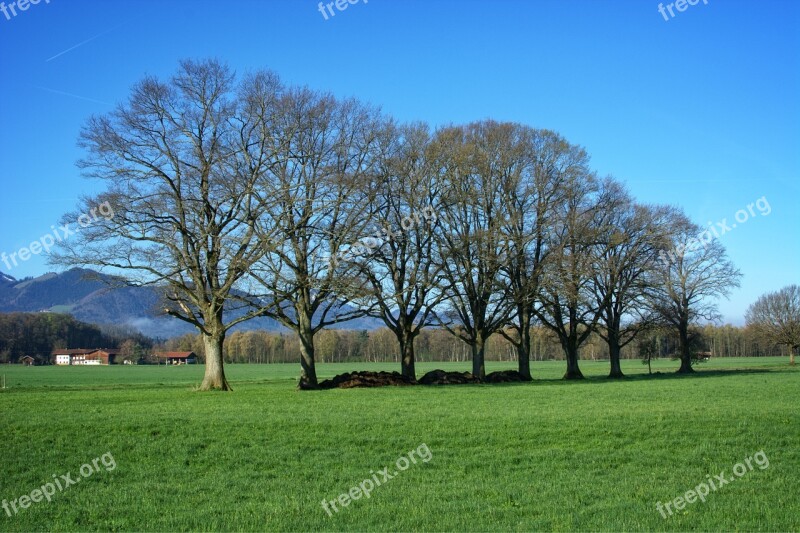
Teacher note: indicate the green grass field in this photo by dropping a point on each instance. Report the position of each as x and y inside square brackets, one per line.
[548, 455]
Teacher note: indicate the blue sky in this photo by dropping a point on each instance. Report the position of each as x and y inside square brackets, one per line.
[700, 111]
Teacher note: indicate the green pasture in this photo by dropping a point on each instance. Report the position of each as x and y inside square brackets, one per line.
[548, 455]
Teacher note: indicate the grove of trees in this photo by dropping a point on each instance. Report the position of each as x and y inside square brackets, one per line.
[243, 197]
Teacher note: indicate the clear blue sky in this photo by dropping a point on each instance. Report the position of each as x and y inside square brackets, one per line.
[699, 111]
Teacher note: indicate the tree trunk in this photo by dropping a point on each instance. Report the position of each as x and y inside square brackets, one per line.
[305, 333]
[308, 368]
[478, 352]
[573, 370]
[524, 346]
[686, 355]
[613, 352]
[407, 368]
[214, 378]
[791, 355]
[524, 362]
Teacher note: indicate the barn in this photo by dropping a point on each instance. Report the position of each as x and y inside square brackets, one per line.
[177, 358]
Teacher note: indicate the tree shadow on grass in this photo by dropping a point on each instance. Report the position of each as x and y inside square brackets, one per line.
[632, 378]
[661, 376]
[600, 380]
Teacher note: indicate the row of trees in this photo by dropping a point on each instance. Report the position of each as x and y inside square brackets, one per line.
[436, 344]
[253, 198]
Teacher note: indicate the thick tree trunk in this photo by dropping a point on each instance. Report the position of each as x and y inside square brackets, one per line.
[478, 352]
[524, 362]
[614, 353]
[573, 370]
[407, 367]
[305, 333]
[686, 355]
[308, 368]
[214, 378]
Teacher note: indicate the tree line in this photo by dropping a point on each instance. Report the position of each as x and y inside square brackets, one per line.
[38, 334]
[436, 344]
[244, 196]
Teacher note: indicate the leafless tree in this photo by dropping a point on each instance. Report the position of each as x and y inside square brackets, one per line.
[318, 197]
[693, 271]
[627, 257]
[473, 165]
[776, 317]
[568, 307]
[400, 261]
[530, 197]
[179, 163]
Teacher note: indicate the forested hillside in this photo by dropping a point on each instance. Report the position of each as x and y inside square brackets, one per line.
[38, 334]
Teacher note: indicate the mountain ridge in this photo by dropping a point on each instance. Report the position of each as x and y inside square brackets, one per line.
[89, 296]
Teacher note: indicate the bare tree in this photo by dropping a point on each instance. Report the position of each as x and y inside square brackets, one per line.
[530, 197]
[692, 273]
[628, 256]
[318, 197]
[776, 317]
[180, 162]
[568, 307]
[401, 261]
[473, 164]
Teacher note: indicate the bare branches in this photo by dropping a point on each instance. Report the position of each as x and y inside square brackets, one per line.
[403, 270]
[244, 198]
[180, 162]
[776, 318]
[317, 195]
[686, 283]
[474, 163]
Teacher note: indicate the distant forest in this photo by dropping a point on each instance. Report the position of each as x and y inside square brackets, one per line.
[438, 345]
[38, 334]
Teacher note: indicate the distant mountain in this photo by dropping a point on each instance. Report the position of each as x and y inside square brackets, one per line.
[47, 291]
[88, 297]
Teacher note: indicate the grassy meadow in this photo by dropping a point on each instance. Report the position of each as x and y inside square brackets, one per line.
[548, 455]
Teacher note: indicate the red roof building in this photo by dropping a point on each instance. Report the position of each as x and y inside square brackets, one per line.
[82, 356]
[178, 358]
